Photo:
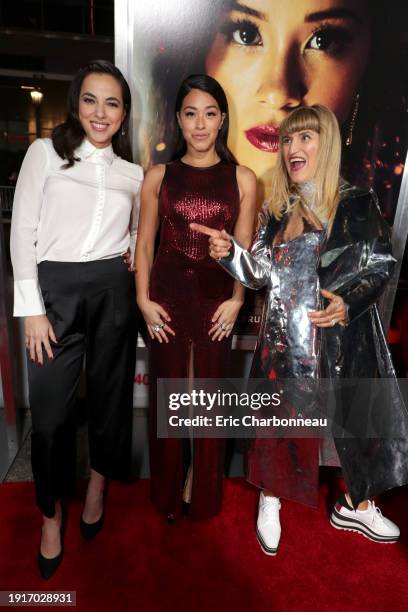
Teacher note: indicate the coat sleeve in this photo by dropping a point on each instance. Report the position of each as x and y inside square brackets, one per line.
[370, 262]
[251, 268]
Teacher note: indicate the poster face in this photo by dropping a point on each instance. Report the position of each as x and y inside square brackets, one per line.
[271, 56]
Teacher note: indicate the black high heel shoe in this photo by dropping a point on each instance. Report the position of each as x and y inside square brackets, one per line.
[47, 566]
[90, 530]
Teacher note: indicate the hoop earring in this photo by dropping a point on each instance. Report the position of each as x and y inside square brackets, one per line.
[353, 118]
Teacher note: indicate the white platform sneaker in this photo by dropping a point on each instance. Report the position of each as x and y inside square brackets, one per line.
[370, 523]
[268, 528]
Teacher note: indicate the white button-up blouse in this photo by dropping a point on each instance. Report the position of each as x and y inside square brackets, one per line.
[84, 213]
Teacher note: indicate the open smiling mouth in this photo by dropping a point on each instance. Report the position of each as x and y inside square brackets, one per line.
[297, 163]
[264, 137]
[99, 127]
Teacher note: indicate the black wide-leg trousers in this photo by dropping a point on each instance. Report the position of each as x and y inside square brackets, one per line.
[92, 309]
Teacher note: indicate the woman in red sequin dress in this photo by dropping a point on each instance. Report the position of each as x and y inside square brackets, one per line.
[189, 305]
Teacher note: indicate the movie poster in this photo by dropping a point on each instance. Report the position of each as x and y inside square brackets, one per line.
[271, 56]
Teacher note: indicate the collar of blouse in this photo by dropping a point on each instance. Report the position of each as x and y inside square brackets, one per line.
[87, 151]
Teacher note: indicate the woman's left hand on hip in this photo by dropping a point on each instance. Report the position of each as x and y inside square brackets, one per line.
[128, 261]
[335, 313]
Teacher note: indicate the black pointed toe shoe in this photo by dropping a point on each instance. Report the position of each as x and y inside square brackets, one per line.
[48, 567]
[90, 530]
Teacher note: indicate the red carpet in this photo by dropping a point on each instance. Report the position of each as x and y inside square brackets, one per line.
[140, 563]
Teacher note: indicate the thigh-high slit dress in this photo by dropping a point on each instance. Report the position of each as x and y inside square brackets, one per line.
[190, 286]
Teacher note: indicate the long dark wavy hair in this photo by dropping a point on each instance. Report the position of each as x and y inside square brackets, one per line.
[67, 136]
[205, 83]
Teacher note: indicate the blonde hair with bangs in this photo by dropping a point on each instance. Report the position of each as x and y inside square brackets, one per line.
[285, 196]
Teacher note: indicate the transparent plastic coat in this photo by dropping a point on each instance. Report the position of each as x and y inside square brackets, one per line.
[355, 262]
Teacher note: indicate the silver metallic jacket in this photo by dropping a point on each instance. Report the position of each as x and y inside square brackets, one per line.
[355, 263]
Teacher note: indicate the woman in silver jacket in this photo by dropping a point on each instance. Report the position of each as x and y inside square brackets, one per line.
[328, 239]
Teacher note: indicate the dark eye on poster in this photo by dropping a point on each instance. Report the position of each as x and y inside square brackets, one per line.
[271, 56]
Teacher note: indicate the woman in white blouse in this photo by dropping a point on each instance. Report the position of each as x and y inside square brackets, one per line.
[74, 216]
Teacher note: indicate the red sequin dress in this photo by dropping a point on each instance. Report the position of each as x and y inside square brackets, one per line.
[190, 286]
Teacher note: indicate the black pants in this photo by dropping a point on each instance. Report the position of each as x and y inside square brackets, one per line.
[92, 309]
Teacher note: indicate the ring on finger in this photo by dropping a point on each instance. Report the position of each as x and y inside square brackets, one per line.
[333, 322]
[156, 328]
[223, 326]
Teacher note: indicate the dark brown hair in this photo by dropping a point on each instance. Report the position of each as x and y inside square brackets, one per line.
[205, 83]
[67, 136]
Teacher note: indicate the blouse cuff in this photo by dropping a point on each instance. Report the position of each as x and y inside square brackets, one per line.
[28, 300]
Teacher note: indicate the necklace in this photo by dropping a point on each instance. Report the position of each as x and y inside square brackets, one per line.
[308, 192]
